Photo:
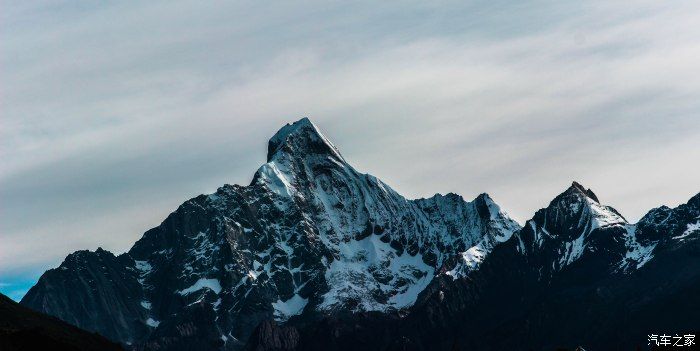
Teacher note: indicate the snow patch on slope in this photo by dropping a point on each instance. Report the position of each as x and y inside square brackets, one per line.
[144, 268]
[211, 284]
[370, 265]
[286, 309]
[470, 260]
[152, 323]
[274, 177]
[602, 216]
[573, 250]
[474, 256]
[692, 228]
[637, 254]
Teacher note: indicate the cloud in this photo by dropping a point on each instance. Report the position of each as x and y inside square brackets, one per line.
[118, 113]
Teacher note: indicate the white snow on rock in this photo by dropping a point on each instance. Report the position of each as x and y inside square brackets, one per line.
[211, 284]
[286, 309]
[603, 216]
[253, 275]
[275, 179]
[413, 269]
[637, 254]
[143, 266]
[144, 269]
[474, 255]
[692, 228]
[152, 323]
[471, 259]
[573, 250]
[354, 276]
[502, 229]
[579, 209]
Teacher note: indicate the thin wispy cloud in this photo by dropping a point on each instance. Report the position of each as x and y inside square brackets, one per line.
[112, 115]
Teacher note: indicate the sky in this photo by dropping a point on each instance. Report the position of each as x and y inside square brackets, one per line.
[114, 113]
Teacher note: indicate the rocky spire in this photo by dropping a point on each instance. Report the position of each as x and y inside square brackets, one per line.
[576, 187]
[300, 139]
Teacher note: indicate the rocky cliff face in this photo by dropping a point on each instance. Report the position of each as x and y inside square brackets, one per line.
[309, 238]
[88, 286]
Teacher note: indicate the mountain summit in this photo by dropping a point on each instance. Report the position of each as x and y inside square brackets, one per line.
[301, 138]
[314, 255]
[577, 187]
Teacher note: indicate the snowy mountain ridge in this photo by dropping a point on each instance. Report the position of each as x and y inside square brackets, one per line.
[309, 233]
[312, 239]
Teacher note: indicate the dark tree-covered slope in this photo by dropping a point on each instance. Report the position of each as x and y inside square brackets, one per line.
[22, 329]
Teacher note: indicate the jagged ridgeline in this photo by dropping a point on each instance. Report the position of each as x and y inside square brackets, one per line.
[315, 255]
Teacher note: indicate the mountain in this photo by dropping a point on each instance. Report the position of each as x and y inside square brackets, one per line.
[314, 255]
[309, 238]
[24, 329]
[576, 275]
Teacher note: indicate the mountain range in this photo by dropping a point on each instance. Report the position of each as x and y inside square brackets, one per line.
[314, 255]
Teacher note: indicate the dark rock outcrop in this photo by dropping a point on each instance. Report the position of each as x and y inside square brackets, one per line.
[22, 329]
[269, 336]
[87, 287]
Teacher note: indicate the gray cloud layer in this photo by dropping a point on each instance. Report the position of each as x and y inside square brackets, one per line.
[112, 115]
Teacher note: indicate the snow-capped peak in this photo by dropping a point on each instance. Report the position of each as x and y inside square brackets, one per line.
[576, 187]
[301, 138]
[564, 231]
[579, 209]
[296, 155]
